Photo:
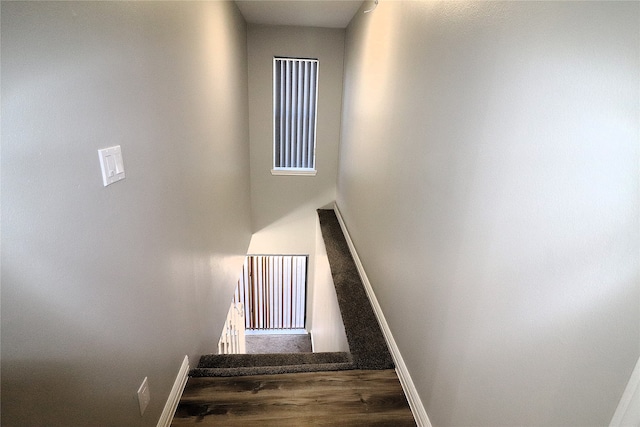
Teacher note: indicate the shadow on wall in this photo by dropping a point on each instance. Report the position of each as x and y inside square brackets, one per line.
[290, 227]
[63, 393]
[78, 364]
[297, 201]
[48, 393]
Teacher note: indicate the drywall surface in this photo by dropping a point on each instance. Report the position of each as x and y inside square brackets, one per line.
[326, 326]
[284, 207]
[103, 286]
[277, 197]
[489, 180]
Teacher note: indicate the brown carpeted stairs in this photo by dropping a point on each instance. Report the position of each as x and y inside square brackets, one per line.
[368, 349]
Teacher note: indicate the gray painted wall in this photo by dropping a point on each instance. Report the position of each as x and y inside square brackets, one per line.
[284, 207]
[104, 286]
[326, 326]
[277, 197]
[489, 179]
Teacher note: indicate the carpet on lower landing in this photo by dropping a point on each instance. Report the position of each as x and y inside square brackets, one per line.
[285, 343]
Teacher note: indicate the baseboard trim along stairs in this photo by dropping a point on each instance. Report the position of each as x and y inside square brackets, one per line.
[419, 412]
[628, 411]
[174, 396]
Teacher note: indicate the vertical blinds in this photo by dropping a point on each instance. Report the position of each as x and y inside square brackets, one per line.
[272, 290]
[295, 99]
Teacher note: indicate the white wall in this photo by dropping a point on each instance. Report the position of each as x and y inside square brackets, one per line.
[327, 328]
[104, 286]
[284, 207]
[489, 180]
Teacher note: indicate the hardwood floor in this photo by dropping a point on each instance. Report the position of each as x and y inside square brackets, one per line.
[341, 398]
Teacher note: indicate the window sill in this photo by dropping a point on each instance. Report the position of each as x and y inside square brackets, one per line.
[302, 172]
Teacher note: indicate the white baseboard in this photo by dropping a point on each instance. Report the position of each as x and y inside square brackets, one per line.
[313, 344]
[175, 395]
[628, 411]
[419, 413]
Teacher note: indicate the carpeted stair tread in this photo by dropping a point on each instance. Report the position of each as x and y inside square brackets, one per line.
[271, 359]
[270, 370]
[366, 341]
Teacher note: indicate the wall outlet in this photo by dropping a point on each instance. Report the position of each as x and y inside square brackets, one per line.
[143, 395]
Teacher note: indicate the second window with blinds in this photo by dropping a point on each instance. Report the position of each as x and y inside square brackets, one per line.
[295, 86]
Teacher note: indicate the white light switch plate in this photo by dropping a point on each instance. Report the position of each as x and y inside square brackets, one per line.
[111, 164]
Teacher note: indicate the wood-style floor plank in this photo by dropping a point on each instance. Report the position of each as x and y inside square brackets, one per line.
[345, 398]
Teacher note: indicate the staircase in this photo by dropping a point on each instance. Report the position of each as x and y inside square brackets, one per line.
[368, 349]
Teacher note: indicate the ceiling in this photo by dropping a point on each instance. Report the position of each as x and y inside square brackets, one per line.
[308, 13]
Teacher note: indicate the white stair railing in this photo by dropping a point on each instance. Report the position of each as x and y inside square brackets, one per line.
[232, 340]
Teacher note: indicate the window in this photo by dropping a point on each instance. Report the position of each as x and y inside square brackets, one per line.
[295, 85]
